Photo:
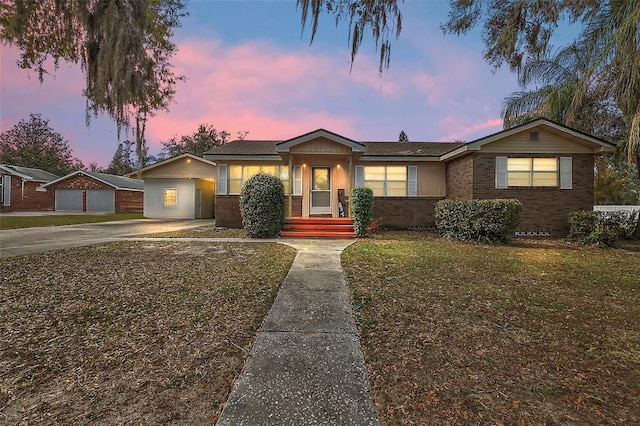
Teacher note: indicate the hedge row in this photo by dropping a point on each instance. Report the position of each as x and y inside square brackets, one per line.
[600, 228]
[487, 221]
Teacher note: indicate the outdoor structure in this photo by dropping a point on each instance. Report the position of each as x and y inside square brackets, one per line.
[181, 187]
[93, 192]
[545, 165]
[19, 188]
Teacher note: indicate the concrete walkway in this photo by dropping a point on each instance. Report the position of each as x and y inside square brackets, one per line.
[306, 366]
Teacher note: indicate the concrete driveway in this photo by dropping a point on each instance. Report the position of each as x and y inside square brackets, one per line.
[14, 242]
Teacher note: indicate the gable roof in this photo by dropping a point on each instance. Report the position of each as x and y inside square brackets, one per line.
[29, 173]
[117, 182]
[320, 133]
[171, 160]
[600, 145]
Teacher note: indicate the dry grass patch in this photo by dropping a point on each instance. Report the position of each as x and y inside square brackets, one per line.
[131, 332]
[539, 332]
[209, 231]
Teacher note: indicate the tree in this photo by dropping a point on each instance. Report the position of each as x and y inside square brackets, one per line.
[122, 161]
[382, 17]
[616, 181]
[205, 138]
[402, 137]
[122, 46]
[34, 144]
[516, 31]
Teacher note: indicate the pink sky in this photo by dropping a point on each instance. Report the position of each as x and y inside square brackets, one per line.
[439, 90]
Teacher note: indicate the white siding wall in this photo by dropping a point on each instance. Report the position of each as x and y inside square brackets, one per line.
[153, 192]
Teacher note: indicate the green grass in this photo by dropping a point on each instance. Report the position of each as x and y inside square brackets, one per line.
[15, 222]
[538, 332]
[131, 332]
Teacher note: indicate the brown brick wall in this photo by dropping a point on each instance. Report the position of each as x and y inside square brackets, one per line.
[79, 182]
[29, 200]
[129, 201]
[402, 213]
[544, 209]
[228, 210]
[460, 178]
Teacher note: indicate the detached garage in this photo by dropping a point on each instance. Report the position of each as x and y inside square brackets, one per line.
[94, 192]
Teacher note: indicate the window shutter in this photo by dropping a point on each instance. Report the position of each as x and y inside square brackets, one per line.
[7, 190]
[412, 181]
[501, 172]
[297, 180]
[359, 178]
[221, 185]
[566, 172]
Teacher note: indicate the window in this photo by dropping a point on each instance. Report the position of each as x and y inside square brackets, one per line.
[170, 197]
[389, 181]
[237, 175]
[533, 172]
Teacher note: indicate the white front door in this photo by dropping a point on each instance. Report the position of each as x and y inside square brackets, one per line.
[320, 190]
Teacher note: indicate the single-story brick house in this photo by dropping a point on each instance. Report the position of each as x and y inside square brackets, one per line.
[19, 188]
[181, 187]
[94, 192]
[547, 166]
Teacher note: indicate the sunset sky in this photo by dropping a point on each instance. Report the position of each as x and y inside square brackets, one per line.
[249, 67]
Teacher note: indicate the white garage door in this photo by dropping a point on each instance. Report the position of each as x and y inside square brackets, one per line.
[101, 200]
[69, 200]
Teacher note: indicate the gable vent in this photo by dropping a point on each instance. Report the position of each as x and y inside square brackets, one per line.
[534, 137]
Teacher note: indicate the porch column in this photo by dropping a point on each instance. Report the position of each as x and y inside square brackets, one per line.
[350, 182]
[290, 185]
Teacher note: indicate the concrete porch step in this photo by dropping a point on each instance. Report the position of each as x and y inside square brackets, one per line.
[318, 227]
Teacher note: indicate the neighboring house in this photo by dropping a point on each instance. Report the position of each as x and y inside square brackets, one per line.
[19, 188]
[181, 187]
[93, 192]
[547, 166]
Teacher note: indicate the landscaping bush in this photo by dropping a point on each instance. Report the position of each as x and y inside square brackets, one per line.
[362, 210]
[486, 221]
[601, 228]
[262, 206]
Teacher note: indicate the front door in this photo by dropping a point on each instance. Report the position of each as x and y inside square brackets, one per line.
[320, 190]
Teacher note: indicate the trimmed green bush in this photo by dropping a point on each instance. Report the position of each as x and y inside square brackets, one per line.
[601, 228]
[487, 221]
[362, 210]
[262, 206]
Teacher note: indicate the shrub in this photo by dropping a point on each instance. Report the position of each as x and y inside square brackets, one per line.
[486, 221]
[362, 210]
[262, 206]
[601, 228]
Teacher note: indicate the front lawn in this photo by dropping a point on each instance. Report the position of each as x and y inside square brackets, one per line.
[14, 222]
[539, 332]
[131, 332]
[208, 231]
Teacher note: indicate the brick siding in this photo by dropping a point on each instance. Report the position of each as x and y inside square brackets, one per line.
[460, 178]
[545, 209]
[30, 199]
[129, 201]
[227, 212]
[405, 212]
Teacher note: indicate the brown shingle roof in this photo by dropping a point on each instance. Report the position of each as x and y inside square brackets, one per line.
[240, 147]
[378, 149]
[409, 149]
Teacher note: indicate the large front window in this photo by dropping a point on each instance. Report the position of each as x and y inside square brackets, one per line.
[238, 175]
[169, 197]
[532, 172]
[389, 181]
